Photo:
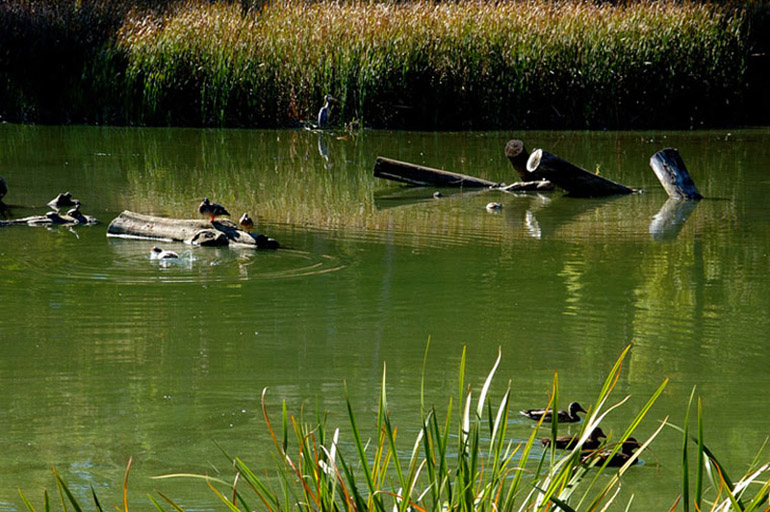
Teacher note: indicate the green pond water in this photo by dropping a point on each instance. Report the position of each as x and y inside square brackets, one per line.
[108, 355]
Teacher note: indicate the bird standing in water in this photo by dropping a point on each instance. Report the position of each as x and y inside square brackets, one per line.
[211, 209]
[323, 114]
[246, 222]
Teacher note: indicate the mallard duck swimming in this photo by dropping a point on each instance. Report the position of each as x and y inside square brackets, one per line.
[159, 254]
[246, 222]
[211, 209]
[569, 416]
[617, 460]
[568, 442]
[494, 206]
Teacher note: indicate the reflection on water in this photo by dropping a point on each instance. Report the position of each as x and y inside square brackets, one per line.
[107, 354]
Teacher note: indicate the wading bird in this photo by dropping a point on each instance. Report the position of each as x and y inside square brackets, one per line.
[211, 209]
[323, 114]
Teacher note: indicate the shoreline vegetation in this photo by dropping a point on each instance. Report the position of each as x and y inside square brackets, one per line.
[463, 458]
[566, 64]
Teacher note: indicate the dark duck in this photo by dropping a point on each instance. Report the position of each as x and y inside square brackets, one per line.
[568, 442]
[211, 210]
[568, 416]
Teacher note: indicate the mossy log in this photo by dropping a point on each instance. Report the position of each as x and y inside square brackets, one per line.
[51, 219]
[421, 176]
[576, 181]
[672, 174]
[221, 232]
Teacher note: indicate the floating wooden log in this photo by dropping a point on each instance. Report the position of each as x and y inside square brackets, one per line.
[221, 232]
[52, 219]
[576, 181]
[672, 174]
[422, 176]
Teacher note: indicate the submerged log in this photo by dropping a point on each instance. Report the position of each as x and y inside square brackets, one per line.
[422, 176]
[192, 231]
[672, 174]
[576, 181]
[52, 219]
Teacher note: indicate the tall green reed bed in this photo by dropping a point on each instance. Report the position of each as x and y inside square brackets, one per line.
[461, 459]
[420, 64]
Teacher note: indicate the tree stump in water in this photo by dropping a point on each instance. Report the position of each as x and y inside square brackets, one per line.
[192, 231]
[518, 155]
[576, 181]
[672, 174]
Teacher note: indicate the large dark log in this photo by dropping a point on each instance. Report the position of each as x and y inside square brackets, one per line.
[672, 174]
[422, 176]
[576, 181]
[191, 231]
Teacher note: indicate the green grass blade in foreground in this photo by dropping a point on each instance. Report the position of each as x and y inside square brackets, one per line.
[700, 461]
[685, 464]
[374, 498]
[26, 502]
[64, 490]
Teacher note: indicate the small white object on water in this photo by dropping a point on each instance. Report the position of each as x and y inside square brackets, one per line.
[159, 254]
[494, 206]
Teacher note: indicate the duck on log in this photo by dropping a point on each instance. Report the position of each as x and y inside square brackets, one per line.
[219, 232]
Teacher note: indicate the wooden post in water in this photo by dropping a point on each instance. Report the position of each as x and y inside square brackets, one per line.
[672, 174]
[422, 176]
[576, 181]
[518, 155]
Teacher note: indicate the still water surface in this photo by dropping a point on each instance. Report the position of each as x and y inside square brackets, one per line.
[107, 355]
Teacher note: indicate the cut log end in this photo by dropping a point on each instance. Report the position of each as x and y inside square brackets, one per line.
[534, 160]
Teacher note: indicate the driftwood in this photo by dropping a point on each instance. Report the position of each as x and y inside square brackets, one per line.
[672, 174]
[51, 219]
[576, 181]
[221, 232]
[422, 176]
